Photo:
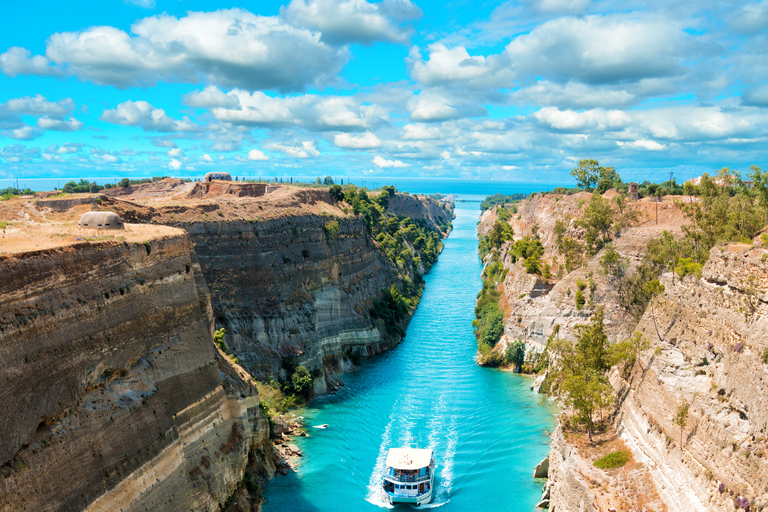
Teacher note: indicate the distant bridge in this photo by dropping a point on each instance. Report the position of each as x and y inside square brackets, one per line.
[469, 201]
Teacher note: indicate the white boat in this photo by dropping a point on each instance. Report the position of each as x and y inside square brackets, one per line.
[409, 476]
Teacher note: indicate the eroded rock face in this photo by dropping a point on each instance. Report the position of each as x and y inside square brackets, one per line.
[709, 336]
[284, 288]
[112, 397]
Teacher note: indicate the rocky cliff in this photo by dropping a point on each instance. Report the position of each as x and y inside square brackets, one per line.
[706, 347]
[113, 397]
[292, 274]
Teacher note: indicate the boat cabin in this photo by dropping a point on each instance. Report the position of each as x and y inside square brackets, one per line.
[409, 475]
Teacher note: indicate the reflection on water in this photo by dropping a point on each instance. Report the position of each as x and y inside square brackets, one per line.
[484, 425]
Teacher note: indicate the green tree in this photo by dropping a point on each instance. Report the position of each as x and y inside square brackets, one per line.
[587, 174]
[337, 193]
[328, 180]
[125, 182]
[579, 371]
[516, 353]
[598, 222]
[681, 418]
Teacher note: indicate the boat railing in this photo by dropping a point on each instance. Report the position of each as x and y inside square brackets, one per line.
[408, 478]
[407, 493]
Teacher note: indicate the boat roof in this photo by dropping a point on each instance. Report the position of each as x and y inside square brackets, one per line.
[408, 458]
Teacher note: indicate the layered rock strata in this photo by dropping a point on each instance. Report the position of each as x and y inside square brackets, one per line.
[707, 348]
[284, 289]
[111, 393]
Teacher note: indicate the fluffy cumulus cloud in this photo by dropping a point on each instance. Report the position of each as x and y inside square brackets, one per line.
[38, 105]
[296, 149]
[232, 48]
[149, 118]
[446, 65]
[24, 132]
[365, 141]
[353, 21]
[60, 125]
[257, 155]
[434, 106]
[581, 122]
[314, 112]
[601, 49]
[20, 61]
[383, 163]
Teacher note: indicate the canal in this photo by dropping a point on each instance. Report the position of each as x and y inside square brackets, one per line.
[484, 425]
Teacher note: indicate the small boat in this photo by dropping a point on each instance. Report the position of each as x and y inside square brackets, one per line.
[409, 476]
[323, 426]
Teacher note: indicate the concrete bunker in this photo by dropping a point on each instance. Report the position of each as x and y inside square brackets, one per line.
[224, 176]
[101, 220]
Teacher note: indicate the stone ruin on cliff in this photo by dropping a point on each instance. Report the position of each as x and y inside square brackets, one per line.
[101, 220]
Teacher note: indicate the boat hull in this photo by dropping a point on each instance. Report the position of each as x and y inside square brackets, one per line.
[417, 500]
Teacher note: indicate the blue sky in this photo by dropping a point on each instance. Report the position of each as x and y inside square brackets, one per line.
[515, 90]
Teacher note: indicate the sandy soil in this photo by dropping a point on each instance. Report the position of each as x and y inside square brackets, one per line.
[25, 236]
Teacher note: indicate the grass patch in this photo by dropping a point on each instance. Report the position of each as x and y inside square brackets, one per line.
[612, 460]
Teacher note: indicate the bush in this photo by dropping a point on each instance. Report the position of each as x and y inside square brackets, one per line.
[302, 382]
[516, 353]
[613, 460]
[332, 230]
[580, 301]
[337, 193]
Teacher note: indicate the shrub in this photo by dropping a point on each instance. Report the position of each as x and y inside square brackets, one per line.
[580, 300]
[613, 460]
[580, 284]
[332, 230]
[218, 339]
[301, 382]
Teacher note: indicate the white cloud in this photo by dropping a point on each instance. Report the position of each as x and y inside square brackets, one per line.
[431, 106]
[211, 97]
[163, 143]
[590, 120]
[751, 18]
[574, 95]
[175, 152]
[420, 132]
[26, 132]
[19, 61]
[383, 163]
[650, 145]
[561, 6]
[304, 149]
[447, 65]
[257, 155]
[149, 118]
[174, 165]
[353, 21]
[600, 49]
[52, 157]
[106, 157]
[70, 125]
[232, 48]
[206, 158]
[38, 105]
[64, 149]
[366, 141]
[338, 113]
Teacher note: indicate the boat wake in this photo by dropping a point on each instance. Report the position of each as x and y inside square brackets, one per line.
[374, 495]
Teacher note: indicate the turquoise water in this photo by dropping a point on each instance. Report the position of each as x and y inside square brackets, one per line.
[485, 425]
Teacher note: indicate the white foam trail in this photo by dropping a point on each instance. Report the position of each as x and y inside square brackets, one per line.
[374, 495]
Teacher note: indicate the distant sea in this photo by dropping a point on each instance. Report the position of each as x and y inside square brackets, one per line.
[412, 185]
